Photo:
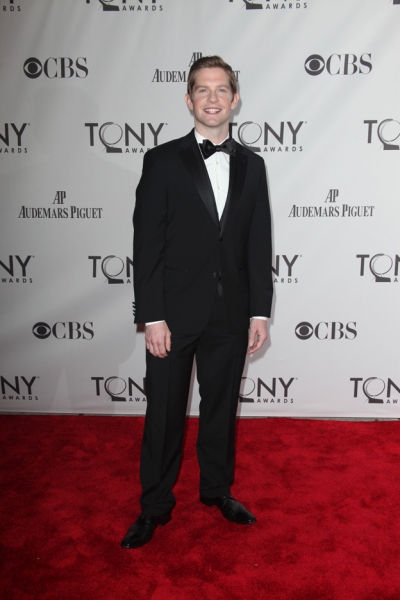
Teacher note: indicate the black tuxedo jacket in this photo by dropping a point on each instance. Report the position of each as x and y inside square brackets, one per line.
[182, 249]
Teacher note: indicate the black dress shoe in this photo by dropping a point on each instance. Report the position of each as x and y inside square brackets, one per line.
[231, 509]
[141, 532]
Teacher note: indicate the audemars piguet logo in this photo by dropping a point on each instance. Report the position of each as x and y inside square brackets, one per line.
[161, 75]
[331, 208]
[59, 210]
[174, 76]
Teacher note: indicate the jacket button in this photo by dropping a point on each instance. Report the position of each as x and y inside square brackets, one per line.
[214, 275]
[221, 239]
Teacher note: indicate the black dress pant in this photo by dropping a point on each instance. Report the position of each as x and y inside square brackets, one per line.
[220, 357]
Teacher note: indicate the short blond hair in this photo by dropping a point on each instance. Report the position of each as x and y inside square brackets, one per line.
[210, 62]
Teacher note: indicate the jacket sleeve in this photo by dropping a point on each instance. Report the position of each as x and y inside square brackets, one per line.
[149, 221]
[260, 253]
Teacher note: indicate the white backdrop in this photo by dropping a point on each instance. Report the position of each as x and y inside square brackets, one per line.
[87, 86]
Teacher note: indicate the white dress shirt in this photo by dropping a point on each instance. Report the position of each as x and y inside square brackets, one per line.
[218, 171]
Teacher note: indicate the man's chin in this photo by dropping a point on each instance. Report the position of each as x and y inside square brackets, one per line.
[212, 122]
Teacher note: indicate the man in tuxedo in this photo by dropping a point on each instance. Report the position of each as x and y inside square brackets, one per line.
[203, 287]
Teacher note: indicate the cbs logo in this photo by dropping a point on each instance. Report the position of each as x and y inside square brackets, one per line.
[64, 331]
[63, 68]
[326, 330]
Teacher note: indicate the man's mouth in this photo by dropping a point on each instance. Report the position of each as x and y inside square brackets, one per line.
[212, 111]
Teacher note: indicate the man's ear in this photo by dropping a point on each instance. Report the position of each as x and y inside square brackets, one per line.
[235, 100]
[188, 101]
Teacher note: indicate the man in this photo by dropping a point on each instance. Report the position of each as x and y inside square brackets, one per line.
[202, 270]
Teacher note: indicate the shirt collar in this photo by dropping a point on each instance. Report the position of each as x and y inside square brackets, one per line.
[200, 138]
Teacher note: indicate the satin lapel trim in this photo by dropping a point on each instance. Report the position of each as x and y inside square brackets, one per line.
[198, 172]
[237, 175]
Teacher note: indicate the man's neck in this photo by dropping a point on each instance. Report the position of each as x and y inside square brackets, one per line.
[216, 136]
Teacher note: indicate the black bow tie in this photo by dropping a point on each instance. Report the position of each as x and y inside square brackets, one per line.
[208, 148]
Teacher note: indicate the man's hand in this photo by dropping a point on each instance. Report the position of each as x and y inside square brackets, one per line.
[158, 339]
[257, 335]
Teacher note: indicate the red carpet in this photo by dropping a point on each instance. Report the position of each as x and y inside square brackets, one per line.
[326, 494]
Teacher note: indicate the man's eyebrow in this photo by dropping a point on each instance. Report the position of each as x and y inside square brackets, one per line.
[223, 85]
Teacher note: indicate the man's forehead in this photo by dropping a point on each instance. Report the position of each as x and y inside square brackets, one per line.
[212, 75]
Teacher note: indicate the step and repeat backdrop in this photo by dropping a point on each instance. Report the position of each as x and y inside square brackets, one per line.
[88, 86]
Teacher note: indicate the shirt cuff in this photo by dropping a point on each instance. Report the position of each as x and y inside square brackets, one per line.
[154, 322]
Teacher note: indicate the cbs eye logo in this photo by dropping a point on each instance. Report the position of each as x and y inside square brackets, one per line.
[32, 68]
[314, 64]
[333, 330]
[304, 330]
[41, 331]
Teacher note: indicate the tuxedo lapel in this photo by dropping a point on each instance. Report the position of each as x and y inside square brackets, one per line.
[237, 174]
[194, 163]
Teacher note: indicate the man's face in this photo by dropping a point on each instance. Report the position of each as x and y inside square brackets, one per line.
[211, 100]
